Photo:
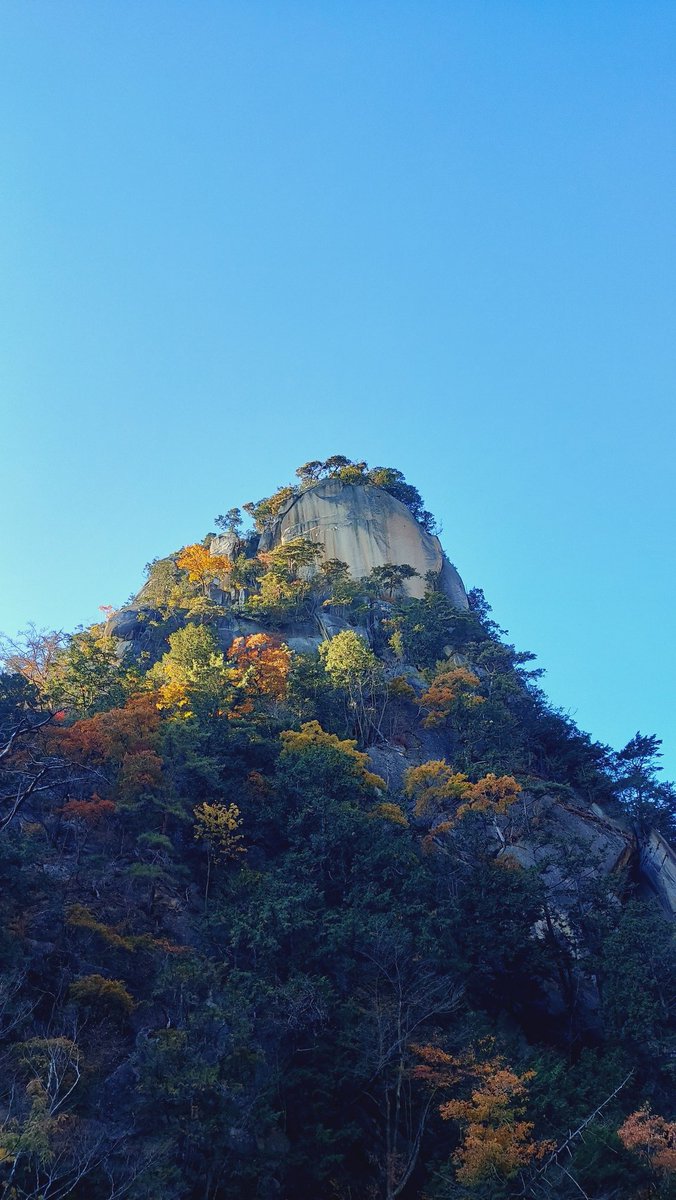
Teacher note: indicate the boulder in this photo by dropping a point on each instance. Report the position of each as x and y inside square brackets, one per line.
[226, 544]
[365, 527]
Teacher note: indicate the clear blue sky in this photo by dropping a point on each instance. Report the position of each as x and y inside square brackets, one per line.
[439, 236]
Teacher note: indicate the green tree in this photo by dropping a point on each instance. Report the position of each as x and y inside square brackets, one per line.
[289, 558]
[310, 472]
[353, 668]
[390, 577]
[230, 522]
[648, 800]
[90, 676]
[192, 676]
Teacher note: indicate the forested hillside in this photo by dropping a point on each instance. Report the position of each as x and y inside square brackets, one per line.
[307, 891]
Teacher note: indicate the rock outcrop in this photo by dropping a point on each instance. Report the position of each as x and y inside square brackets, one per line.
[658, 864]
[365, 527]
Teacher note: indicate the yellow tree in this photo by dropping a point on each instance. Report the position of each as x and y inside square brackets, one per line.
[433, 785]
[311, 738]
[202, 567]
[217, 827]
[493, 795]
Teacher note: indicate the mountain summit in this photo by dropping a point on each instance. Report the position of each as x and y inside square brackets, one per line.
[366, 528]
[306, 889]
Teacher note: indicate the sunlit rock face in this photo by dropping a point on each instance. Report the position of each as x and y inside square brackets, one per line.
[365, 527]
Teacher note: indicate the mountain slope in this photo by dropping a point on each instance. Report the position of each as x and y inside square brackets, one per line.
[308, 891]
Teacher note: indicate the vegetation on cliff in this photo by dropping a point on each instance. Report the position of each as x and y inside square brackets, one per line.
[344, 469]
[282, 923]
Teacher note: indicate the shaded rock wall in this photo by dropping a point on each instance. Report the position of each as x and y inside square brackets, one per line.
[658, 864]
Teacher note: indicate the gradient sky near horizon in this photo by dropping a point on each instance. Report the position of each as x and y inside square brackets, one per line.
[438, 236]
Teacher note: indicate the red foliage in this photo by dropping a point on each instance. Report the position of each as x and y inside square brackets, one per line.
[114, 734]
[92, 812]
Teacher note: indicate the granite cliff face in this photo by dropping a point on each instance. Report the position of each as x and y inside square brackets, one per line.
[365, 527]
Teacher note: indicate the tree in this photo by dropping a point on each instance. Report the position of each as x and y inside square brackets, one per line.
[496, 1141]
[336, 463]
[652, 1138]
[27, 767]
[192, 676]
[89, 676]
[202, 567]
[289, 558]
[434, 785]
[450, 692]
[107, 736]
[334, 570]
[310, 472]
[246, 572]
[217, 826]
[166, 586]
[264, 511]
[443, 797]
[425, 631]
[278, 599]
[282, 592]
[108, 997]
[322, 758]
[260, 667]
[353, 667]
[394, 483]
[637, 976]
[402, 994]
[392, 576]
[230, 522]
[33, 653]
[343, 590]
[647, 800]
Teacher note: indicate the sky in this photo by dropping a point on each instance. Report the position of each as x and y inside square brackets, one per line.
[436, 236]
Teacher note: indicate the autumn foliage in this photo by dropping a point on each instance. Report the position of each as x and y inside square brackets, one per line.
[311, 738]
[217, 825]
[259, 667]
[438, 790]
[111, 735]
[201, 566]
[91, 812]
[495, 1138]
[652, 1138]
[105, 995]
[236, 961]
[449, 690]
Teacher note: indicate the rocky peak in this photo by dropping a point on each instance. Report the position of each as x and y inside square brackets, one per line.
[365, 527]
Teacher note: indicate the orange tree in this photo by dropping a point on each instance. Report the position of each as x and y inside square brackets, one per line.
[495, 1141]
[259, 671]
[450, 692]
[443, 796]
